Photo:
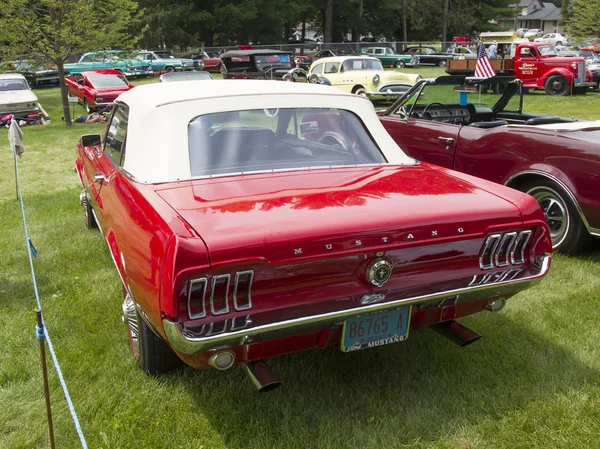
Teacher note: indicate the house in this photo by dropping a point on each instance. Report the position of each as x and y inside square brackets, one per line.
[535, 14]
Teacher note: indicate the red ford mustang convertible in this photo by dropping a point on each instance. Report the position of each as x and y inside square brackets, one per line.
[252, 219]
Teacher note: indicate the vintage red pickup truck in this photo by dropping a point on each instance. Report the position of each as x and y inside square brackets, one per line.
[538, 66]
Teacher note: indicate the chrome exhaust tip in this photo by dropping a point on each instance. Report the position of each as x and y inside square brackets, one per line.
[456, 333]
[261, 376]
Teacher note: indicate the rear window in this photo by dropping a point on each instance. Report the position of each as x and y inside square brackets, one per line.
[276, 139]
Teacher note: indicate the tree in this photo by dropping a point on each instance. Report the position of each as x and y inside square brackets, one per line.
[56, 30]
[584, 21]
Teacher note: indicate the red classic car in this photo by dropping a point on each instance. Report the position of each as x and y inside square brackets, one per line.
[479, 127]
[96, 89]
[211, 64]
[258, 218]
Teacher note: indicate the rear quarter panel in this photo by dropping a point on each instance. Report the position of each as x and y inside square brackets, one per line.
[499, 153]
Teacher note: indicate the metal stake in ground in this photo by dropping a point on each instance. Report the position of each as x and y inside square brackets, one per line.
[42, 337]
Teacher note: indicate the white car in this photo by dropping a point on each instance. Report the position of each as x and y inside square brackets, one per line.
[16, 97]
[533, 33]
[552, 38]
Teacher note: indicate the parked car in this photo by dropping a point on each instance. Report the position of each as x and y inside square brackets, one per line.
[211, 64]
[260, 64]
[16, 97]
[592, 60]
[284, 218]
[184, 76]
[307, 43]
[478, 127]
[164, 61]
[36, 74]
[533, 33]
[461, 53]
[110, 60]
[362, 75]
[428, 55]
[96, 89]
[389, 58]
[521, 32]
[307, 61]
[461, 40]
[591, 45]
[539, 67]
[552, 38]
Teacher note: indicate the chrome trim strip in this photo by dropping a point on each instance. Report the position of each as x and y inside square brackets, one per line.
[491, 240]
[225, 309]
[202, 312]
[561, 184]
[521, 242]
[505, 248]
[248, 293]
[192, 345]
[595, 232]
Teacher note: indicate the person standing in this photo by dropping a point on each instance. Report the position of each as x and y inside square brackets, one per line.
[493, 50]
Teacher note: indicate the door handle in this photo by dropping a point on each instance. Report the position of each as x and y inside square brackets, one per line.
[447, 140]
[99, 178]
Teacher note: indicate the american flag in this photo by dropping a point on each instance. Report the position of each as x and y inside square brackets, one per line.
[484, 68]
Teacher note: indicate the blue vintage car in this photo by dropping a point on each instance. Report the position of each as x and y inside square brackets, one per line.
[111, 59]
[164, 61]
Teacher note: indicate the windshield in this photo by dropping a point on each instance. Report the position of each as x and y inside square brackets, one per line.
[108, 81]
[274, 139]
[361, 64]
[14, 84]
[485, 94]
[264, 62]
[547, 51]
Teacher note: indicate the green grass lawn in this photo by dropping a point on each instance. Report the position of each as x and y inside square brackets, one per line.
[533, 381]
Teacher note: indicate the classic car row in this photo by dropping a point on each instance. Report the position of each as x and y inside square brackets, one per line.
[284, 217]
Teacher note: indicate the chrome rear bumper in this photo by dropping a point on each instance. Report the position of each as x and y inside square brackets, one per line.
[184, 342]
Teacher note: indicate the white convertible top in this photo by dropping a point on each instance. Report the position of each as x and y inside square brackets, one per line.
[157, 133]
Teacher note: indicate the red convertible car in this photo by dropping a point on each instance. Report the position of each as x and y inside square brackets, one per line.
[96, 89]
[257, 218]
[478, 127]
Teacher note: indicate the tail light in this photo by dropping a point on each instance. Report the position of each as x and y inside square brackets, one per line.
[214, 294]
[504, 249]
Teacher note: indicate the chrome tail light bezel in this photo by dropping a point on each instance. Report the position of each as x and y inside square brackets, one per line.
[501, 250]
[213, 286]
[236, 284]
[202, 313]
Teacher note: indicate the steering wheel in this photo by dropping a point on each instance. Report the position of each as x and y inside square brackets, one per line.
[431, 104]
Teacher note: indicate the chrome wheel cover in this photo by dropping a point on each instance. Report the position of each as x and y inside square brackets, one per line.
[129, 317]
[556, 213]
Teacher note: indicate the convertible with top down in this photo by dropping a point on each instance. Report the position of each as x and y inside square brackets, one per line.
[252, 219]
[478, 126]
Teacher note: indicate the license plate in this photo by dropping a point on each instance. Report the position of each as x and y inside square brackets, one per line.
[577, 80]
[375, 329]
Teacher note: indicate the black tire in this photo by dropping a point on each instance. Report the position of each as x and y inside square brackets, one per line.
[557, 86]
[90, 219]
[153, 354]
[569, 235]
[442, 63]
[400, 64]
[360, 91]
[169, 69]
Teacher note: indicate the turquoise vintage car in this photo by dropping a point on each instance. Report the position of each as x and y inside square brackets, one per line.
[389, 58]
[111, 60]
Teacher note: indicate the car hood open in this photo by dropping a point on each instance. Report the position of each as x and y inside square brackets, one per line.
[272, 215]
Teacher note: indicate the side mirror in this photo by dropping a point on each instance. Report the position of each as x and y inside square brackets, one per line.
[91, 140]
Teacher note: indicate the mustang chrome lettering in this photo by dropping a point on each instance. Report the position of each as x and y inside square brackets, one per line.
[372, 298]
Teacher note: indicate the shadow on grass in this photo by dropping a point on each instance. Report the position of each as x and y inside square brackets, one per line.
[421, 390]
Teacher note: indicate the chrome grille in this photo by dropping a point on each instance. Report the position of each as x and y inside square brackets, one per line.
[502, 250]
[581, 72]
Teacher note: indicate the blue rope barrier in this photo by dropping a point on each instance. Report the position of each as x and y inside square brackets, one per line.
[40, 334]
